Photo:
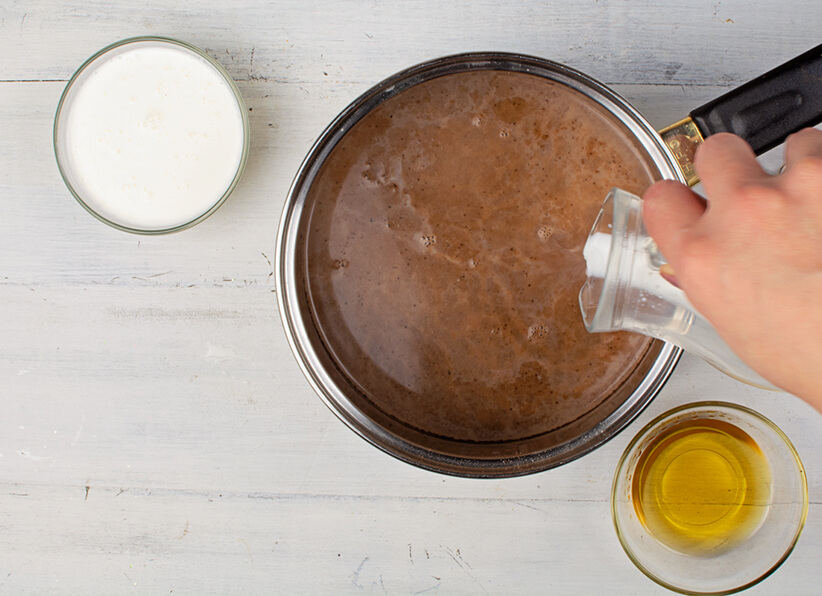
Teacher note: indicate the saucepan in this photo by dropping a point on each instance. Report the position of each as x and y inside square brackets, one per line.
[376, 326]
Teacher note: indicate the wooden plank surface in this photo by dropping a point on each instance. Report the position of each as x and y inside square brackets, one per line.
[156, 434]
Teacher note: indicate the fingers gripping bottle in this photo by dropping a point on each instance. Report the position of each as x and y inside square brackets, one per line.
[625, 290]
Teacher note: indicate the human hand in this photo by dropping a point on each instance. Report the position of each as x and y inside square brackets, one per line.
[750, 258]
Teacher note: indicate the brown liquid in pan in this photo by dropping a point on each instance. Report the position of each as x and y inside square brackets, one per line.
[444, 254]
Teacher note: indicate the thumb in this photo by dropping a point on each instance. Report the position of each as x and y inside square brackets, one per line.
[668, 208]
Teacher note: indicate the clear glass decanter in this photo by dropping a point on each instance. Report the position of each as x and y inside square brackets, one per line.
[625, 290]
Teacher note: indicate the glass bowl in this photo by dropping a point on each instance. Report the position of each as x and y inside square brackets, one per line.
[151, 135]
[709, 498]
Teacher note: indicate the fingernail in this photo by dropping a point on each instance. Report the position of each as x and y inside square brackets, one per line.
[667, 273]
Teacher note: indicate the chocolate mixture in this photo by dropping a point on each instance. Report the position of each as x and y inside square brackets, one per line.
[444, 254]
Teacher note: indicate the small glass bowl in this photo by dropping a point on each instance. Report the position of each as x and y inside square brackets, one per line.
[737, 565]
[62, 152]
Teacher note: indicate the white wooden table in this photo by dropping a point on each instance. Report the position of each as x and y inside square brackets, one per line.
[157, 436]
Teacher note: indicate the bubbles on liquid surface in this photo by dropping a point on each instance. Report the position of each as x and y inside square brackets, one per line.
[428, 239]
[537, 332]
[545, 232]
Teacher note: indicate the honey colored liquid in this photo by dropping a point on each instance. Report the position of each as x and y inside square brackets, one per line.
[702, 487]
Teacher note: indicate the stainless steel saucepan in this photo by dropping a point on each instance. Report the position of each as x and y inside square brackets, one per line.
[763, 112]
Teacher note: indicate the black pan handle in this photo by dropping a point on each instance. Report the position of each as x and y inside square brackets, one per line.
[767, 109]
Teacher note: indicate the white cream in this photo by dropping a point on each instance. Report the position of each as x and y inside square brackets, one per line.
[153, 136]
[645, 276]
[596, 251]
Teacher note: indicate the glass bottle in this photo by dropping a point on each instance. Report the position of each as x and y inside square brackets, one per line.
[625, 290]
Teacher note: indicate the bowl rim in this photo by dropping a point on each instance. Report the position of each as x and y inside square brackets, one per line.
[706, 405]
[223, 74]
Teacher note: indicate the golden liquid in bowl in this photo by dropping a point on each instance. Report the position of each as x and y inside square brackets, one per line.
[702, 487]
